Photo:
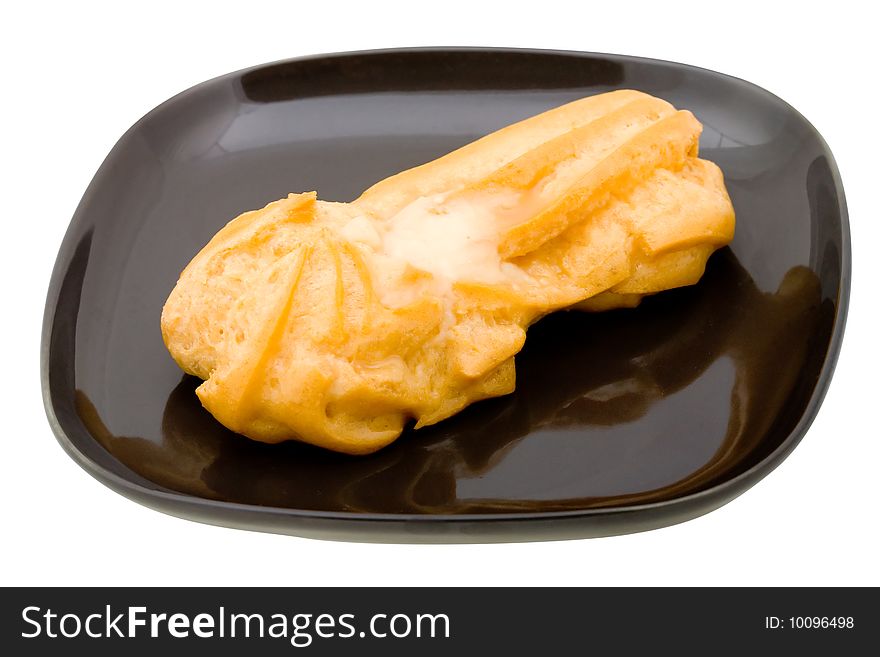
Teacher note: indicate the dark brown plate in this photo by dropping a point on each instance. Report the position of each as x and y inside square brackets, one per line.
[621, 422]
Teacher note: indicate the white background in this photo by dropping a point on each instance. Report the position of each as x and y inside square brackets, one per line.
[77, 75]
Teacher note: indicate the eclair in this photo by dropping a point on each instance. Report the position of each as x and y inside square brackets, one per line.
[338, 324]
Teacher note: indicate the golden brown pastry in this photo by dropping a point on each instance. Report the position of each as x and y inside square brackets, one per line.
[337, 323]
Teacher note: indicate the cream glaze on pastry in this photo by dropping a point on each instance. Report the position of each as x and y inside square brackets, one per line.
[338, 323]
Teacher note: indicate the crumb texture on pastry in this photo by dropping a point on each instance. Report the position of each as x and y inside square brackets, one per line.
[338, 323]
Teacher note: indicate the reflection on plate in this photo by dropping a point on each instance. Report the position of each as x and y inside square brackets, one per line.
[610, 431]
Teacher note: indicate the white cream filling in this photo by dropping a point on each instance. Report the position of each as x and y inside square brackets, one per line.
[450, 238]
[454, 241]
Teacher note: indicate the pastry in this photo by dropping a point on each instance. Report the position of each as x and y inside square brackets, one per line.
[339, 323]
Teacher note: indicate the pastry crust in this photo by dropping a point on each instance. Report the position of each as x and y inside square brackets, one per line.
[338, 323]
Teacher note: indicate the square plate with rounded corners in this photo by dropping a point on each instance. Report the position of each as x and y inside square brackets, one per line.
[621, 422]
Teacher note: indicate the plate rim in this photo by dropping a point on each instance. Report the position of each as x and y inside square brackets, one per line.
[729, 488]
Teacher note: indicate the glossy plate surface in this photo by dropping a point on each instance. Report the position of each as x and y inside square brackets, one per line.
[621, 422]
